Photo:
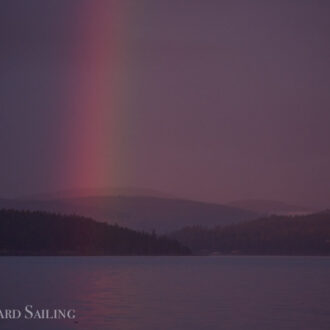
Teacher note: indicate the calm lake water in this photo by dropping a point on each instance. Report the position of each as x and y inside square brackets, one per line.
[157, 293]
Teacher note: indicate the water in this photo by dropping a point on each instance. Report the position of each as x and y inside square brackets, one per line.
[170, 293]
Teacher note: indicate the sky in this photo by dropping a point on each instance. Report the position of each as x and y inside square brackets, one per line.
[209, 100]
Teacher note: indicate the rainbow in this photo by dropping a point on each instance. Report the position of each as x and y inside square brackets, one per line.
[94, 95]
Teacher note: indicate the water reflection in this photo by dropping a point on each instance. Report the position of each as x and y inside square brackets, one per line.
[170, 293]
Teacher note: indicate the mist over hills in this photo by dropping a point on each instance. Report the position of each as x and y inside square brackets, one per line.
[269, 207]
[139, 212]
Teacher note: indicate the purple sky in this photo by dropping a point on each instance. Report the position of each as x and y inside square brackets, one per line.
[225, 100]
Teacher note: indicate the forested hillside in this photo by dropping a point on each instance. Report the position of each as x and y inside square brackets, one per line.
[41, 233]
[275, 235]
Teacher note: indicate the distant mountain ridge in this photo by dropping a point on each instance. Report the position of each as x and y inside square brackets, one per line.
[97, 192]
[139, 212]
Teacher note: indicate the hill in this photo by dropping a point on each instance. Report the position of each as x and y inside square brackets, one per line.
[41, 233]
[101, 192]
[275, 235]
[139, 212]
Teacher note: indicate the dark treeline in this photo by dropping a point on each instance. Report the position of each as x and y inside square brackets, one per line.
[275, 235]
[41, 233]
